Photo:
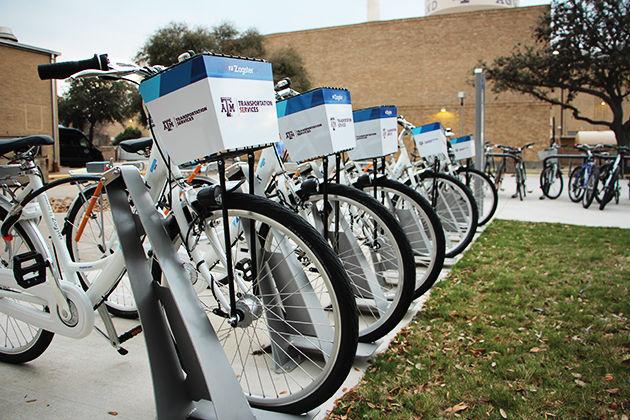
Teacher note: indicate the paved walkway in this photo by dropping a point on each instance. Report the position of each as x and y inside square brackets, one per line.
[562, 209]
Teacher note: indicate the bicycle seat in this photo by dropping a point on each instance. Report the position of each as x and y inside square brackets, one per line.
[21, 143]
[136, 145]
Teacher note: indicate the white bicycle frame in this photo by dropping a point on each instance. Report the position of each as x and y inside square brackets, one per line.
[78, 321]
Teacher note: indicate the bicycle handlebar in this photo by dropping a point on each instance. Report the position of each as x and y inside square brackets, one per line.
[66, 69]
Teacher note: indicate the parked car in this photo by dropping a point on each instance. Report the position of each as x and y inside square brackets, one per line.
[76, 149]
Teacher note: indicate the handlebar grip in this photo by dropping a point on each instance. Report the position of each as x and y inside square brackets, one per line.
[66, 69]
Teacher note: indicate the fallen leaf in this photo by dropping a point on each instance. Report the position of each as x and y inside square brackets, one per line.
[503, 413]
[535, 350]
[457, 408]
[613, 390]
[112, 413]
[608, 377]
[576, 375]
[579, 383]
[30, 401]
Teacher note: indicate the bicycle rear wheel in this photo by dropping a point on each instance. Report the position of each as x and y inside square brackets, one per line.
[296, 341]
[98, 240]
[20, 342]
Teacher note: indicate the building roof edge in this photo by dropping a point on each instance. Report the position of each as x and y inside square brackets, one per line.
[377, 22]
[26, 47]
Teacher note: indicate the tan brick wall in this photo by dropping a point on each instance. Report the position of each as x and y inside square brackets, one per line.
[420, 64]
[25, 101]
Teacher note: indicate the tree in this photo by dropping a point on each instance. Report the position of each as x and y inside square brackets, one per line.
[287, 62]
[126, 134]
[93, 101]
[167, 43]
[582, 47]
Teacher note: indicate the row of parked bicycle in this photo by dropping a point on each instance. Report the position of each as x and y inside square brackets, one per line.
[598, 177]
[325, 242]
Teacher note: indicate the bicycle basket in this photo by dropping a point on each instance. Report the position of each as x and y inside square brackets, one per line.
[317, 123]
[463, 147]
[544, 154]
[211, 104]
[375, 130]
[430, 140]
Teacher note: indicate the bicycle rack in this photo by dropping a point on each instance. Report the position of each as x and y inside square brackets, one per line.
[192, 377]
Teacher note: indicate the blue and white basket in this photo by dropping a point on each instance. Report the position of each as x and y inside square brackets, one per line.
[430, 140]
[463, 147]
[212, 104]
[317, 123]
[376, 132]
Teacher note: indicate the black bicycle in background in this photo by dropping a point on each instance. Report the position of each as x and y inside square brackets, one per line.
[611, 175]
[551, 183]
[515, 153]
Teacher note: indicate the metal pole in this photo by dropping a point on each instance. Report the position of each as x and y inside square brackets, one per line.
[480, 86]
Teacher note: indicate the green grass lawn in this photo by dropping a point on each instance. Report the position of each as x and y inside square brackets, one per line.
[531, 323]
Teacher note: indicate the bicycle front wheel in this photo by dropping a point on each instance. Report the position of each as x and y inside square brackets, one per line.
[551, 182]
[455, 206]
[576, 189]
[421, 225]
[295, 342]
[484, 191]
[591, 187]
[374, 251]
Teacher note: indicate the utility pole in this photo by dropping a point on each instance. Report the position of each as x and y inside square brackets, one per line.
[461, 95]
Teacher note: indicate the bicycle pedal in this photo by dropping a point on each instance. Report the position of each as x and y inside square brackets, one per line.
[245, 266]
[29, 269]
[122, 351]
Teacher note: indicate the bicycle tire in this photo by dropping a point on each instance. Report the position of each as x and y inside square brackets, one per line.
[125, 310]
[268, 211]
[609, 190]
[404, 295]
[450, 222]
[42, 338]
[575, 185]
[487, 216]
[591, 187]
[545, 182]
[428, 215]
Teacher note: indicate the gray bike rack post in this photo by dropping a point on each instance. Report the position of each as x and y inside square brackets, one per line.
[480, 125]
[192, 377]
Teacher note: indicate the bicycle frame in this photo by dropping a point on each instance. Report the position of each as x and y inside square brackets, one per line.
[55, 294]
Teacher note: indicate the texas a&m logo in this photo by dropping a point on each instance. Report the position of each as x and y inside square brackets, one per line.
[168, 125]
[227, 106]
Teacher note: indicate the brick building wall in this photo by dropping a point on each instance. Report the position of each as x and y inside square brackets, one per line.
[420, 65]
[27, 104]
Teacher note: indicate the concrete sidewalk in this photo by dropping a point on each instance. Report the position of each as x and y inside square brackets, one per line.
[562, 209]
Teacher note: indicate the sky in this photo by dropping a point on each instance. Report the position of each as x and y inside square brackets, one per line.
[80, 28]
